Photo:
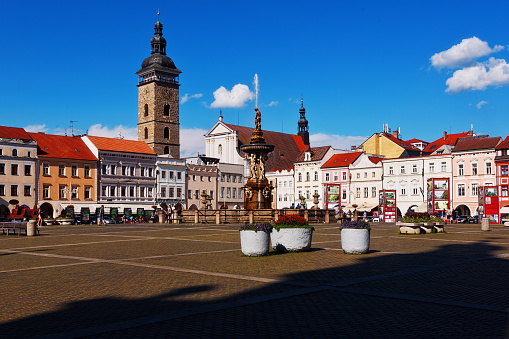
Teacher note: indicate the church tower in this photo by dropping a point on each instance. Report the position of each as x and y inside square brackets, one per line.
[303, 124]
[158, 99]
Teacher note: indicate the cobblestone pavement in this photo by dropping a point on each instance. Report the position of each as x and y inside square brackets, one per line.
[192, 281]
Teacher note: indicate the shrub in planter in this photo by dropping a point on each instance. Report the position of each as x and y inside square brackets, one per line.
[255, 239]
[355, 236]
[291, 233]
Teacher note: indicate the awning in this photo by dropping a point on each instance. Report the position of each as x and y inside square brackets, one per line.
[504, 209]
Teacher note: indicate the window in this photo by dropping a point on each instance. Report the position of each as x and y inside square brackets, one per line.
[143, 171]
[86, 171]
[475, 189]
[1, 151]
[163, 174]
[221, 195]
[414, 169]
[343, 195]
[74, 170]
[142, 192]
[61, 170]
[327, 177]
[146, 110]
[61, 192]
[112, 191]
[14, 169]
[443, 166]
[228, 192]
[123, 191]
[170, 173]
[2, 190]
[163, 192]
[14, 190]
[391, 170]
[474, 168]
[166, 133]
[179, 192]
[402, 170]
[234, 193]
[336, 177]
[300, 177]
[366, 192]
[460, 170]
[373, 174]
[149, 192]
[179, 176]
[167, 150]
[2, 168]
[504, 171]
[45, 168]
[373, 192]
[461, 190]
[415, 190]
[14, 152]
[150, 172]
[316, 176]
[504, 191]
[234, 178]
[209, 178]
[189, 194]
[308, 176]
[488, 168]
[365, 174]
[124, 170]
[308, 196]
[74, 192]
[133, 171]
[358, 175]
[431, 167]
[45, 191]
[146, 133]
[403, 190]
[172, 192]
[344, 176]
[131, 191]
[27, 191]
[166, 109]
[28, 170]
[212, 194]
[228, 178]
[222, 177]
[358, 192]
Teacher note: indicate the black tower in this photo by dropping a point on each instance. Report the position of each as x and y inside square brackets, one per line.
[303, 124]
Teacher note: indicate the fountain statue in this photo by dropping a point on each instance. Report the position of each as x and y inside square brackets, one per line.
[257, 191]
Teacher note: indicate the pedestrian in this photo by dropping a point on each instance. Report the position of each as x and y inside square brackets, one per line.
[101, 215]
[364, 215]
[449, 216]
[39, 217]
[172, 210]
[292, 206]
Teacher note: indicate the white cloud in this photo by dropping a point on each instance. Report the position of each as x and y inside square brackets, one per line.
[273, 103]
[130, 133]
[236, 98]
[186, 97]
[463, 54]
[192, 141]
[336, 141]
[481, 103]
[36, 128]
[494, 72]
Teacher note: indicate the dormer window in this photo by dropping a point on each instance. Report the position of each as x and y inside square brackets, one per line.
[307, 156]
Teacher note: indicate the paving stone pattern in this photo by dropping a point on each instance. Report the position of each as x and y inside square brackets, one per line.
[124, 281]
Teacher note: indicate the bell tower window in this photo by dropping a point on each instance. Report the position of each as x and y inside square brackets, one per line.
[166, 110]
[166, 150]
[166, 133]
[146, 110]
[146, 133]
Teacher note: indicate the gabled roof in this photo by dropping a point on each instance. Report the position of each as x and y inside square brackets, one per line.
[121, 145]
[504, 144]
[405, 144]
[317, 153]
[375, 160]
[476, 144]
[61, 147]
[341, 160]
[449, 139]
[14, 133]
[287, 146]
[414, 141]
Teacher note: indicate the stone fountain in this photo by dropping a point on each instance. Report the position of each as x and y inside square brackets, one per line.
[257, 191]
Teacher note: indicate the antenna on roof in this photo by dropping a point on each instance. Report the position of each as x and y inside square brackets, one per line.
[72, 126]
[120, 135]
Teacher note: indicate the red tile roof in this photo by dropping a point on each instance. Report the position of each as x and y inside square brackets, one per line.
[13, 133]
[405, 144]
[504, 144]
[476, 144]
[287, 146]
[447, 139]
[61, 147]
[121, 145]
[375, 160]
[317, 153]
[341, 160]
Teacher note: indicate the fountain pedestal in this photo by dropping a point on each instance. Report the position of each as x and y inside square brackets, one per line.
[258, 190]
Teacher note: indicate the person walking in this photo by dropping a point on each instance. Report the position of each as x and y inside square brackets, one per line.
[101, 215]
[39, 217]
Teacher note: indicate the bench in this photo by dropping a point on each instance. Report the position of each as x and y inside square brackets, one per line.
[13, 226]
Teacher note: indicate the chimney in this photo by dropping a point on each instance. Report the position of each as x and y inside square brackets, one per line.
[395, 134]
[445, 135]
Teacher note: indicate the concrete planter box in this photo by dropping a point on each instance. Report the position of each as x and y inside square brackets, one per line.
[409, 227]
[427, 227]
[440, 227]
[355, 240]
[31, 228]
[291, 239]
[254, 243]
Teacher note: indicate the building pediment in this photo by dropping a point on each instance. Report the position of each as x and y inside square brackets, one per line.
[219, 128]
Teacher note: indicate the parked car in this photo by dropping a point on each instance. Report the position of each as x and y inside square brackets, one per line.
[473, 220]
[463, 219]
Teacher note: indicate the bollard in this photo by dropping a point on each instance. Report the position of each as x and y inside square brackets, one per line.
[218, 214]
[31, 228]
[327, 216]
[196, 216]
[251, 216]
[306, 215]
[485, 225]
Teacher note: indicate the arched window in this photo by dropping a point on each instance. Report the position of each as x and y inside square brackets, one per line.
[307, 176]
[146, 110]
[316, 176]
[166, 133]
[300, 176]
[167, 110]
[146, 133]
[220, 149]
[166, 150]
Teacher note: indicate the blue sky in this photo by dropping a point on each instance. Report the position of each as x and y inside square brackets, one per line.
[423, 66]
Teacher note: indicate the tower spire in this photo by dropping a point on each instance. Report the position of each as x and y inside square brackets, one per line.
[303, 123]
